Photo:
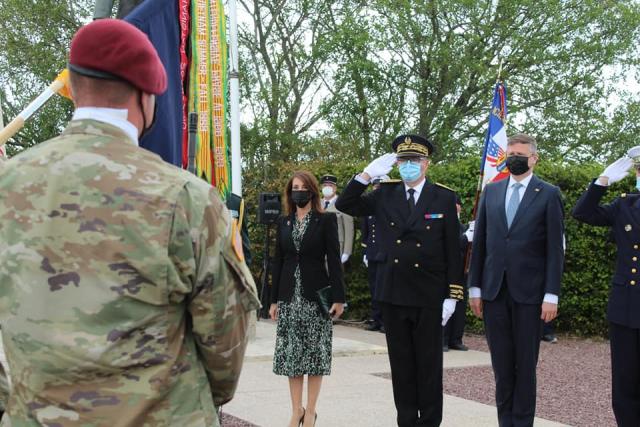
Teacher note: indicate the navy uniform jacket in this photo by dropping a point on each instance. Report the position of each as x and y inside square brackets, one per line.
[419, 256]
[529, 253]
[623, 215]
[370, 241]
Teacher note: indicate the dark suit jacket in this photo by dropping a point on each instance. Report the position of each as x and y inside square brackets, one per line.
[418, 255]
[529, 253]
[319, 259]
[623, 215]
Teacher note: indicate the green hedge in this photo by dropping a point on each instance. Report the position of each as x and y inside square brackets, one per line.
[589, 260]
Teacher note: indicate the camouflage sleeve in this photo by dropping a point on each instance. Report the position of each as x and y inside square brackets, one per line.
[4, 389]
[222, 289]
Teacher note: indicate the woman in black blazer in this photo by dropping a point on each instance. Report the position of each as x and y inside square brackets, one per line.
[307, 259]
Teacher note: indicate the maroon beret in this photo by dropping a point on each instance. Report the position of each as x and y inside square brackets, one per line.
[115, 49]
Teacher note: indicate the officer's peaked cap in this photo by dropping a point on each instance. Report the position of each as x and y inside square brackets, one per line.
[412, 145]
[329, 178]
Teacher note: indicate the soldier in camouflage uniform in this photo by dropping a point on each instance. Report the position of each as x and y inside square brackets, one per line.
[122, 299]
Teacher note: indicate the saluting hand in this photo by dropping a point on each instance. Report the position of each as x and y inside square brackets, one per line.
[616, 171]
[549, 311]
[380, 166]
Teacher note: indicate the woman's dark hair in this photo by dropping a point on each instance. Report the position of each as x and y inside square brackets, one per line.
[311, 183]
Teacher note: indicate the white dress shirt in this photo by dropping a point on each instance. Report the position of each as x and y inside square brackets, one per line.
[331, 201]
[113, 116]
[476, 292]
[417, 188]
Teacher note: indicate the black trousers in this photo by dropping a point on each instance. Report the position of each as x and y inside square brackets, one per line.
[454, 329]
[414, 341]
[376, 311]
[625, 373]
[513, 333]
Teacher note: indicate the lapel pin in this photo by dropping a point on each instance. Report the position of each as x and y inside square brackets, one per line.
[537, 189]
[627, 227]
[288, 223]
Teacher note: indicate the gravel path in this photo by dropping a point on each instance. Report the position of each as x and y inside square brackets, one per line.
[230, 421]
[574, 381]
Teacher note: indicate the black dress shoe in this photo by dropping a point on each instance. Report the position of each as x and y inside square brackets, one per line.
[459, 347]
[445, 347]
[373, 327]
[550, 338]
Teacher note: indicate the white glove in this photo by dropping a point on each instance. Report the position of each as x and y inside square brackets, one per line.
[448, 307]
[344, 258]
[618, 170]
[365, 260]
[470, 230]
[381, 166]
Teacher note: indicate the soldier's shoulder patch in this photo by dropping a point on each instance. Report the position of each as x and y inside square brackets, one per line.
[391, 181]
[445, 187]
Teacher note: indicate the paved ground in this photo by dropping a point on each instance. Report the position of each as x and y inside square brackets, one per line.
[357, 393]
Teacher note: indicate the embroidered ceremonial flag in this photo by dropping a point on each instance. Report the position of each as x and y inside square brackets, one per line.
[493, 166]
[208, 92]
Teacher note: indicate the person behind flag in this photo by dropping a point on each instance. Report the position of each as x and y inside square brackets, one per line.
[122, 300]
[419, 277]
[623, 312]
[516, 269]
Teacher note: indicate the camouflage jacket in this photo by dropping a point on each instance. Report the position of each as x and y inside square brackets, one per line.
[122, 301]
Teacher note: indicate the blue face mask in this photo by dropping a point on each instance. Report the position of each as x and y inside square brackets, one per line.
[409, 171]
[638, 183]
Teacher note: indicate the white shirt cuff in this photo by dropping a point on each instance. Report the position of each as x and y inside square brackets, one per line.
[361, 180]
[475, 292]
[551, 298]
[597, 182]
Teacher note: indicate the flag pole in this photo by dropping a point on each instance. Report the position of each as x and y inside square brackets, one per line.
[234, 95]
[467, 258]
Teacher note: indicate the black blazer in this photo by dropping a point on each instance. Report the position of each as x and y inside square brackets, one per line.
[418, 254]
[319, 259]
[529, 253]
[623, 215]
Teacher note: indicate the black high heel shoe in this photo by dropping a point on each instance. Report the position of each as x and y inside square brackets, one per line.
[304, 411]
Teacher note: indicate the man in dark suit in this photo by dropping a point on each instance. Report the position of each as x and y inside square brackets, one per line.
[623, 313]
[514, 279]
[419, 273]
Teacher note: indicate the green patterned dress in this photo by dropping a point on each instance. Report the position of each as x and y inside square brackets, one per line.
[303, 334]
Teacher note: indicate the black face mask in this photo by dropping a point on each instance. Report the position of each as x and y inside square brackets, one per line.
[146, 129]
[518, 164]
[300, 198]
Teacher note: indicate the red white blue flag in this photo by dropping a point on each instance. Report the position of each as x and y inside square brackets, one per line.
[493, 167]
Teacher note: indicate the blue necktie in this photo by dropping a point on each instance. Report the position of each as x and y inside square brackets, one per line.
[514, 201]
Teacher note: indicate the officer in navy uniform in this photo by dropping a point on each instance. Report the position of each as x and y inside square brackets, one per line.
[623, 312]
[370, 260]
[453, 331]
[419, 278]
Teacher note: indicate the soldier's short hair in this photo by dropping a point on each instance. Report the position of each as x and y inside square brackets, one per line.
[523, 138]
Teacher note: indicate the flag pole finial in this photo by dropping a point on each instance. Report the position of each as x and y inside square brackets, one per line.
[499, 78]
